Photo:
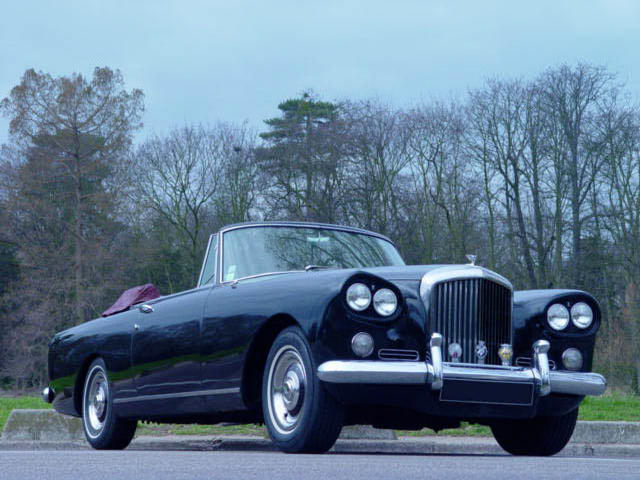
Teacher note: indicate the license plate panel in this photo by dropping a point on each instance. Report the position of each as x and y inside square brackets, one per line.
[488, 392]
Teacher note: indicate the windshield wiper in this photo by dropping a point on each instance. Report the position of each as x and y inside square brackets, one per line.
[309, 268]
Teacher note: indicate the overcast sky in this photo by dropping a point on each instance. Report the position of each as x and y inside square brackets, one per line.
[203, 61]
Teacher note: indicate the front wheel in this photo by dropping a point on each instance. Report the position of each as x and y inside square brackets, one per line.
[300, 415]
[103, 430]
[542, 436]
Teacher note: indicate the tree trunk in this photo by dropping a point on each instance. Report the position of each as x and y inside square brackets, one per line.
[78, 246]
[576, 225]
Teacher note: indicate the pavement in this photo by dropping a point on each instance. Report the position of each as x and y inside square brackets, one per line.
[176, 465]
[430, 445]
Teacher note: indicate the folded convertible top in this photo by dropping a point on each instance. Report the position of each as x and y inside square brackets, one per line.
[130, 297]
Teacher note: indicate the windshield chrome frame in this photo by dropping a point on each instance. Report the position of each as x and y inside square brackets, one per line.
[223, 231]
[204, 262]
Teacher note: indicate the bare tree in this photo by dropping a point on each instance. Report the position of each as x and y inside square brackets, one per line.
[499, 123]
[620, 127]
[376, 160]
[197, 179]
[444, 190]
[571, 97]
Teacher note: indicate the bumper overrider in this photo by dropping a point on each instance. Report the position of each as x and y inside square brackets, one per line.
[468, 382]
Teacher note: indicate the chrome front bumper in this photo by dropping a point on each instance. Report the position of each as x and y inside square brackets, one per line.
[437, 372]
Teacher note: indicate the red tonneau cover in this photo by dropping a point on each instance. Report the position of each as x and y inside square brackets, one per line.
[134, 295]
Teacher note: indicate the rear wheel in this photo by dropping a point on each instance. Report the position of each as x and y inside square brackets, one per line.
[300, 415]
[542, 436]
[103, 430]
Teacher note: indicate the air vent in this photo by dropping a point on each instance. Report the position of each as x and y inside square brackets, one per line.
[526, 362]
[397, 354]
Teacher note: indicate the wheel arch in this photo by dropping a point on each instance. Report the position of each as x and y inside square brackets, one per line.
[79, 384]
[257, 357]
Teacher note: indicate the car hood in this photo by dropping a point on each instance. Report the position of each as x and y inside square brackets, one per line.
[403, 272]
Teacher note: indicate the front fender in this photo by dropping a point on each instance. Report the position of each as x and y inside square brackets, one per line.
[530, 324]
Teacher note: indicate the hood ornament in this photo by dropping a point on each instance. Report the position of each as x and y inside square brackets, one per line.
[471, 258]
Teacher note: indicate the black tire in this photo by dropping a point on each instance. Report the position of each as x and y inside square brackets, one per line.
[102, 428]
[310, 421]
[542, 436]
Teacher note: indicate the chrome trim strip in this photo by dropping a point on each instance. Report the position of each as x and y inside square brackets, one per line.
[511, 375]
[322, 226]
[166, 396]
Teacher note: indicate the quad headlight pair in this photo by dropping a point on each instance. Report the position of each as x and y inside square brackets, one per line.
[558, 316]
[359, 297]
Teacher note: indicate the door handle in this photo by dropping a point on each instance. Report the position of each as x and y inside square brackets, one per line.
[136, 327]
[146, 308]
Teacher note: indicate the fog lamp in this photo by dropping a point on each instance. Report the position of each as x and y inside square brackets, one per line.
[572, 359]
[362, 344]
[505, 352]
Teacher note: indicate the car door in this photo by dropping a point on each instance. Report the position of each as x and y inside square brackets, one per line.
[227, 327]
[166, 345]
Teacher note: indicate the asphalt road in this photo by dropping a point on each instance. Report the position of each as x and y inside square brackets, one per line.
[154, 465]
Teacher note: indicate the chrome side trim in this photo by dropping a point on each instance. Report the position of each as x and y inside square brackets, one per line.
[166, 396]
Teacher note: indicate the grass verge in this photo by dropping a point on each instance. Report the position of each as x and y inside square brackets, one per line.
[7, 404]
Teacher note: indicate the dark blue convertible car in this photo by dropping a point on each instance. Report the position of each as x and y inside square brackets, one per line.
[309, 327]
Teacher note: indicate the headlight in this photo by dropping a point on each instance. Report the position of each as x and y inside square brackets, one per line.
[358, 297]
[385, 302]
[558, 316]
[581, 315]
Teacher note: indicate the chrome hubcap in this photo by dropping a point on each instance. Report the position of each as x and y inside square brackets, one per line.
[287, 384]
[95, 409]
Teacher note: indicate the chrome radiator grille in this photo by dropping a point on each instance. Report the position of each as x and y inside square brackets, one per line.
[467, 311]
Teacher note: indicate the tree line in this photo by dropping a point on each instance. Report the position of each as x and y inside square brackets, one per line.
[539, 177]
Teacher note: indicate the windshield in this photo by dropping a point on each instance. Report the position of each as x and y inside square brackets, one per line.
[258, 250]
